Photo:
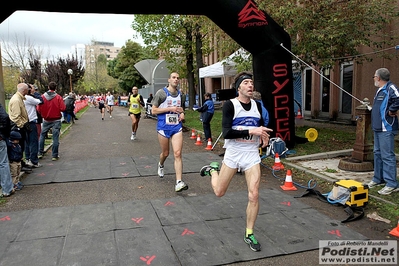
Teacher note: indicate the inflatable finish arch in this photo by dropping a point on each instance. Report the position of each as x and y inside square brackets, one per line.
[250, 27]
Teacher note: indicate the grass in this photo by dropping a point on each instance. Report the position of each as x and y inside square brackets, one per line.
[328, 140]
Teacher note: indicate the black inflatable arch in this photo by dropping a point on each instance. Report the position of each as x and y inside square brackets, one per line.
[250, 27]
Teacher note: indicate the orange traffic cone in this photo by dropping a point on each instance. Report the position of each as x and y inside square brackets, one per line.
[395, 231]
[277, 163]
[198, 143]
[288, 185]
[192, 134]
[209, 145]
[299, 115]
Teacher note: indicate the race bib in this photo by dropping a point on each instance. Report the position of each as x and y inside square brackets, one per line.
[135, 105]
[172, 119]
[247, 139]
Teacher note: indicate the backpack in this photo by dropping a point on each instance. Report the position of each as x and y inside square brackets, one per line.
[276, 145]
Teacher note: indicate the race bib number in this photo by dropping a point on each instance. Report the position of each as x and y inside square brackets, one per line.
[135, 105]
[247, 139]
[172, 119]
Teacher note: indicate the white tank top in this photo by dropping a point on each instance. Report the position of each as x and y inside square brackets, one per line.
[243, 120]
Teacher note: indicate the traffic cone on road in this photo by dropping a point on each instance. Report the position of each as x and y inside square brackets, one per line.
[288, 185]
[198, 142]
[277, 163]
[395, 231]
[192, 134]
[299, 115]
[209, 145]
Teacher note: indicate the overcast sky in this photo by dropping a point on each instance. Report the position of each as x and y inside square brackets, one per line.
[57, 32]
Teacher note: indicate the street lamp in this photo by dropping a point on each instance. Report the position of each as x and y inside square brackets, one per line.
[70, 72]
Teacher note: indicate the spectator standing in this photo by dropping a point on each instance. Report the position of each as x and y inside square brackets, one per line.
[258, 97]
[51, 111]
[39, 121]
[19, 116]
[7, 187]
[384, 123]
[207, 110]
[135, 102]
[167, 106]
[148, 105]
[32, 143]
[15, 155]
[69, 114]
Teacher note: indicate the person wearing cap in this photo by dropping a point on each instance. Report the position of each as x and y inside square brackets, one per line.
[32, 143]
[207, 110]
[7, 188]
[51, 111]
[243, 131]
[15, 155]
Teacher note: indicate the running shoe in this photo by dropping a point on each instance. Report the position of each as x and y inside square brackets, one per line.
[55, 158]
[374, 184]
[40, 155]
[180, 186]
[160, 170]
[28, 163]
[132, 137]
[206, 170]
[387, 190]
[252, 242]
[37, 165]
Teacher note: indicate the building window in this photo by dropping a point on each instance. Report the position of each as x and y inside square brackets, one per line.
[325, 90]
[308, 89]
[346, 85]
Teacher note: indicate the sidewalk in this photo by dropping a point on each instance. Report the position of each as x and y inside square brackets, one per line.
[102, 203]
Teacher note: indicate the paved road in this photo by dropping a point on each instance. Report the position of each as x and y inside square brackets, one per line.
[91, 146]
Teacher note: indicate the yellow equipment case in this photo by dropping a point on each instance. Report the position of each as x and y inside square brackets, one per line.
[359, 193]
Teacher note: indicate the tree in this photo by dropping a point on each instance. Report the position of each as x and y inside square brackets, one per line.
[16, 53]
[122, 67]
[96, 79]
[181, 40]
[54, 70]
[325, 31]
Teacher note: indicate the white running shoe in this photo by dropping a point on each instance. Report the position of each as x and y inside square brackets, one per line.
[132, 137]
[37, 165]
[29, 163]
[160, 170]
[180, 186]
[387, 190]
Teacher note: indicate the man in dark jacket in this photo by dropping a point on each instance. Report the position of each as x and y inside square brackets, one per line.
[385, 125]
[7, 187]
[207, 111]
[51, 111]
[69, 113]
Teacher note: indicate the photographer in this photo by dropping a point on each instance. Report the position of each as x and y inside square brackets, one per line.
[32, 143]
[19, 116]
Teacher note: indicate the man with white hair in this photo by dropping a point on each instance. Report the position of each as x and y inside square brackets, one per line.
[19, 116]
[384, 122]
